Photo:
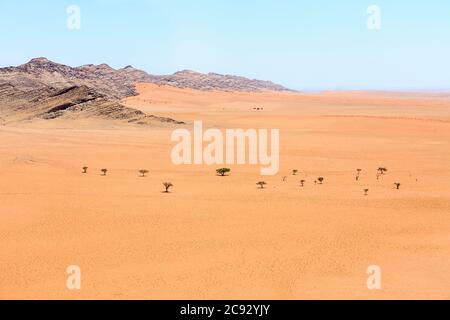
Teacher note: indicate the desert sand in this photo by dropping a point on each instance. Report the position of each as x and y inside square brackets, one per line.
[222, 237]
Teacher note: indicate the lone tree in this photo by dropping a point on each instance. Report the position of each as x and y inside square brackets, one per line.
[104, 171]
[223, 171]
[366, 192]
[382, 170]
[302, 183]
[321, 180]
[168, 185]
[85, 169]
[143, 172]
[397, 185]
[294, 172]
[262, 184]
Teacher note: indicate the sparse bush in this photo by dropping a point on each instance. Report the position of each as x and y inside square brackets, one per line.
[262, 184]
[223, 171]
[168, 185]
[143, 172]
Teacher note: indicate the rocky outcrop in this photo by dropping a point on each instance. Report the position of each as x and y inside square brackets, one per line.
[41, 72]
[76, 102]
[120, 83]
[42, 89]
[212, 81]
[47, 90]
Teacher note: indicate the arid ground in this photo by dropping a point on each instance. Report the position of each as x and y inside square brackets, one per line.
[222, 237]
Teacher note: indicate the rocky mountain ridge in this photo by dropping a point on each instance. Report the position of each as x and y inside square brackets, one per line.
[48, 90]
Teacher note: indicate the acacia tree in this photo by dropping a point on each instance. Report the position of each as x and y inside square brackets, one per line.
[223, 171]
[104, 171]
[398, 185]
[143, 172]
[262, 184]
[366, 192]
[294, 172]
[284, 179]
[168, 185]
[302, 183]
[321, 180]
[382, 170]
[85, 169]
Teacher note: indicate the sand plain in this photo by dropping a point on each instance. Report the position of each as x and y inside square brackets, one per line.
[223, 238]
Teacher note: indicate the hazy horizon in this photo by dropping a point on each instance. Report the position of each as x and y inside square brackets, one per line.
[303, 46]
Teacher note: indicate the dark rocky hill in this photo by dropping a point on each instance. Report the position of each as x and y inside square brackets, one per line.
[48, 90]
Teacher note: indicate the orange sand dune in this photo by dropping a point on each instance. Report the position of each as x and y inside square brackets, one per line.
[223, 238]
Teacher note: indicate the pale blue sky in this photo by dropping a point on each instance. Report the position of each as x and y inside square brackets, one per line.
[305, 45]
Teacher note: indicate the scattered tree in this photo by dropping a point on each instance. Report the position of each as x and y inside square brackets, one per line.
[302, 183]
[223, 171]
[321, 180]
[382, 170]
[358, 174]
[284, 179]
[262, 184]
[294, 172]
[104, 171]
[168, 185]
[366, 192]
[397, 185]
[143, 172]
[85, 169]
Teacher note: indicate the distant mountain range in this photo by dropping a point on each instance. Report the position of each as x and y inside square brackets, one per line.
[48, 90]
[213, 81]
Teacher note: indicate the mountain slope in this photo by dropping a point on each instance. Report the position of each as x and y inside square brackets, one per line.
[76, 102]
[120, 83]
[212, 81]
[42, 72]
[43, 89]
